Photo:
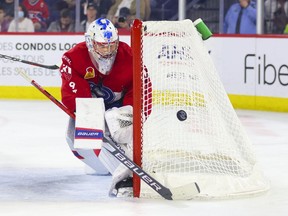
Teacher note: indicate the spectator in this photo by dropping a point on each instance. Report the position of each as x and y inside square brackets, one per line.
[54, 9]
[286, 15]
[64, 24]
[8, 6]
[4, 23]
[163, 9]
[39, 13]
[25, 24]
[102, 5]
[199, 4]
[91, 15]
[270, 7]
[276, 15]
[241, 18]
[71, 4]
[145, 9]
[72, 7]
[125, 19]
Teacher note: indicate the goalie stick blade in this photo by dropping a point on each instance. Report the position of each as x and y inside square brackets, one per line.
[51, 67]
[185, 192]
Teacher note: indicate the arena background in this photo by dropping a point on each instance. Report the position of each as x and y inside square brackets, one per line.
[253, 68]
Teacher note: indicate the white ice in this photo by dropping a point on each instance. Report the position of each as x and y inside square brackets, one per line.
[40, 176]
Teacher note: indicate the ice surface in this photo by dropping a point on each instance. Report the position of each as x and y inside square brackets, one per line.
[40, 176]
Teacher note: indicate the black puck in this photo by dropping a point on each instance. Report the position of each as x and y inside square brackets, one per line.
[181, 115]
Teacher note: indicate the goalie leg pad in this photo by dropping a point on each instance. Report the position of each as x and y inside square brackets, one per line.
[87, 156]
[119, 172]
[110, 162]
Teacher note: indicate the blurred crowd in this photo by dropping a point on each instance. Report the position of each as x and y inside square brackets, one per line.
[61, 15]
[276, 16]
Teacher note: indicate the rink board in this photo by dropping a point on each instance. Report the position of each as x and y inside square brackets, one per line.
[254, 75]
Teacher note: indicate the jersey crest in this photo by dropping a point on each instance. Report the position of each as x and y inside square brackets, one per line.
[100, 91]
[90, 73]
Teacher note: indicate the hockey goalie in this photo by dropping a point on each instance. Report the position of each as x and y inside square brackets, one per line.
[97, 85]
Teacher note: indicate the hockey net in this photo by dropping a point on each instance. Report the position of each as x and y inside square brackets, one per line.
[185, 128]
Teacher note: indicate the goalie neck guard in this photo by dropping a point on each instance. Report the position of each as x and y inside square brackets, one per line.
[102, 42]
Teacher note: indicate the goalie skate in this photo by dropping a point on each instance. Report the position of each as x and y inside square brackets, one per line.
[124, 188]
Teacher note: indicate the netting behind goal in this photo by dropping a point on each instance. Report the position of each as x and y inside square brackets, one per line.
[185, 128]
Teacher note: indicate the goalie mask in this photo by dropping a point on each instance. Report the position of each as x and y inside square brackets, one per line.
[102, 43]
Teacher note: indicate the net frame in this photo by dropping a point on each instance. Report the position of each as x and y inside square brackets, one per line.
[136, 40]
[138, 30]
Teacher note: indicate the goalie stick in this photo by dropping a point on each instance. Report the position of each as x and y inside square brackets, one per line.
[187, 191]
[51, 67]
[47, 94]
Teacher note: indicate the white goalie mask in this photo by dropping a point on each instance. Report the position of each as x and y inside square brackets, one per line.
[102, 42]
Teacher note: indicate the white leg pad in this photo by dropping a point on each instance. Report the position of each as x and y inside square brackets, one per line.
[109, 161]
[94, 166]
[87, 156]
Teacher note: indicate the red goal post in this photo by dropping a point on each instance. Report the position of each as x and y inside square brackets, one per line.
[137, 99]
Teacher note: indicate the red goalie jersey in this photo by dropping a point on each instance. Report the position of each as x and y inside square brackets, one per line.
[80, 78]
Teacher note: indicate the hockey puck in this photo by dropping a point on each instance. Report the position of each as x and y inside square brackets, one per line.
[181, 115]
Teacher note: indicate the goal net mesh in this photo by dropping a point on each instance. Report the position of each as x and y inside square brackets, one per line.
[189, 129]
